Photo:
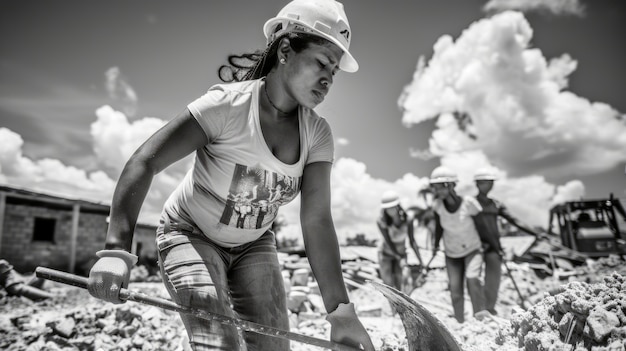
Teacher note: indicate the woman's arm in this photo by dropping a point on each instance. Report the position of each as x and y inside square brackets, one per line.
[177, 139]
[322, 249]
[438, 231]
[412, 242]
[504, 213]
[320, 238]
[169, 144]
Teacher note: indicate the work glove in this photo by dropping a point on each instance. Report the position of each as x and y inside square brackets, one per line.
[109, 274]
[347, 329]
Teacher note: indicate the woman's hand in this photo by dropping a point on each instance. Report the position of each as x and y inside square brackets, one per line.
[347, 329]
[109, 274]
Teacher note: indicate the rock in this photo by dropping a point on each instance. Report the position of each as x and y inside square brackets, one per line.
[300, 277]
[63, 327]
[600, 323]
[295, 300]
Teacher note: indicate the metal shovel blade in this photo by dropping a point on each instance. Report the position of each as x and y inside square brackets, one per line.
[424, 331]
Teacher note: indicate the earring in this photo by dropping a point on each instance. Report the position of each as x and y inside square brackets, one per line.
[282, 60]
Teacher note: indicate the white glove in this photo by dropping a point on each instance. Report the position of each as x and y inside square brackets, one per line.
[110, 273]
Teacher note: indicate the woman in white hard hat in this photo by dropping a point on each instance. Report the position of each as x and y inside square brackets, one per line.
[454, 221]
[396, 227]
[258, 143]
[487, 225]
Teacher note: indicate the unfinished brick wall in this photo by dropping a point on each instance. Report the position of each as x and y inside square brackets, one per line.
[25, 254]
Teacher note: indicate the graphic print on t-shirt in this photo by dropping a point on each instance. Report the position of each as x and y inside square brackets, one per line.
[255, 195]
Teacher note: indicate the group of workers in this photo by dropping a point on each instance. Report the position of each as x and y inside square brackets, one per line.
[469, 228]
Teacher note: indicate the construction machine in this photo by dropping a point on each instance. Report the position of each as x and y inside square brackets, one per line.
[577, 231]
[590, 227]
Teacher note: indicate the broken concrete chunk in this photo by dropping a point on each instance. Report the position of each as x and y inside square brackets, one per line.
[63, 327]
[600, 323]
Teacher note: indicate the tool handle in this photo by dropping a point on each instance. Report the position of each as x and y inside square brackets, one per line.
[129, 295]
[61, 277]
[125, 294]
[519, 293]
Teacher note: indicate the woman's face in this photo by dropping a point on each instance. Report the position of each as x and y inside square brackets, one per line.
[441, 190]
[310, 73]
[484, 186]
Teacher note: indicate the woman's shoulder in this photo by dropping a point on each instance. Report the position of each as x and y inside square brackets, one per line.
[223, 97]
[471, 202]
[234, 88]
[311, 117]
[436, 205]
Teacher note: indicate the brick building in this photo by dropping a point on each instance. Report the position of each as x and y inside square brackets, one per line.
[43, 230]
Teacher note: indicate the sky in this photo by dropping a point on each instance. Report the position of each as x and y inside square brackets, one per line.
[531, 88]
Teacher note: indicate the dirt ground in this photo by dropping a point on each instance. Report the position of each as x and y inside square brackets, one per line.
[583, 312]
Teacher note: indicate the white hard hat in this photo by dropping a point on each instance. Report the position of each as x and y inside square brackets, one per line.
[443, 174]
[390, 199]
[325, 18]
[486, 173]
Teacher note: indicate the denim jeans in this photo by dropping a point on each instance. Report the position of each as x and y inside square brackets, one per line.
[493, 272]
[242, 282]
[390, 270]
[467, 268]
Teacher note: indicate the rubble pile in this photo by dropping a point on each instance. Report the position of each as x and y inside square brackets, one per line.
[581, 316]
[585, 311]
[76, 321]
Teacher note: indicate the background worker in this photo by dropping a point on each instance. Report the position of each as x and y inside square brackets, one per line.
[395, 227]
[454, 221]
[487, 225]
[257, 133]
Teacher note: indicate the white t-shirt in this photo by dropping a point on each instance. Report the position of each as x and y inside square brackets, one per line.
[233, 192]
[397, 235]
[460, 236]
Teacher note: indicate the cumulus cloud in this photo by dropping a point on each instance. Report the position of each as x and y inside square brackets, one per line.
[120, 91]
[115, 139]
[356, 199]
[529, 198]
[490, 90]
[49, 175]
[423, 155]
[356, 194]
[343, 141]
[553, 7]
[571, 191]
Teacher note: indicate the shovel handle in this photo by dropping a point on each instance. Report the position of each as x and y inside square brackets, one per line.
[129, 295]
[519, 293]
[125, 294]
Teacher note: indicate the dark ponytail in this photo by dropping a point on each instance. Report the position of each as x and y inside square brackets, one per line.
[258, 64]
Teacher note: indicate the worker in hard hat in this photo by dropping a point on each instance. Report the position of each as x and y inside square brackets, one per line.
[395, 227]
[487, 225]
[257, 133]
[454, 222]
